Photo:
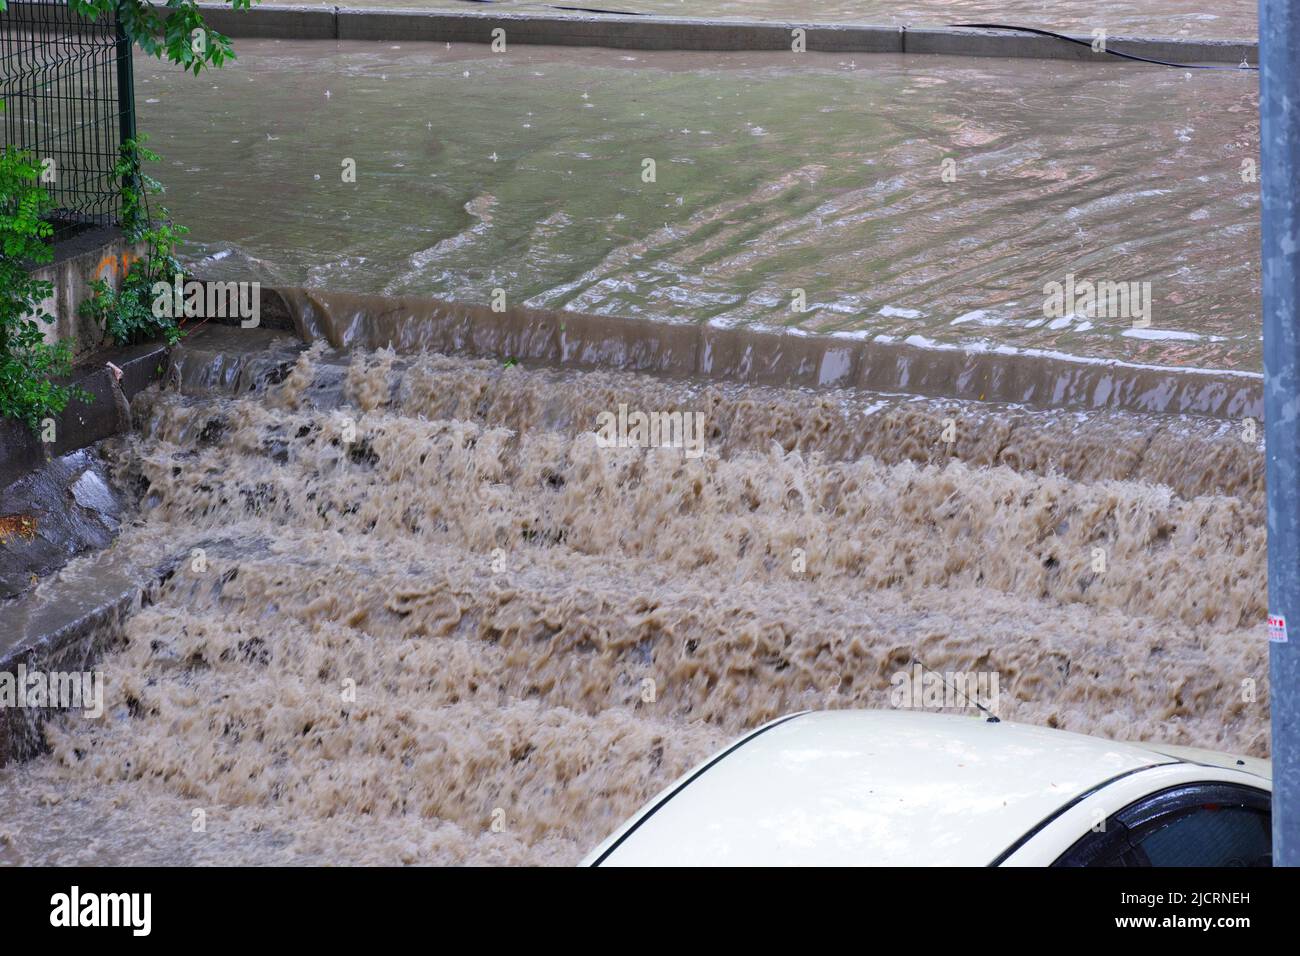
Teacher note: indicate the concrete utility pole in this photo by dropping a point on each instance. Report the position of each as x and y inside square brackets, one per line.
[1279, 107]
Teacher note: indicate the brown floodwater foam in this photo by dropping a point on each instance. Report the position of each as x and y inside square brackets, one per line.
[460, 630]
[771, 356]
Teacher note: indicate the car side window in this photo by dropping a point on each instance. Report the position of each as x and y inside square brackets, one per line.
[1210, 824]
[1209, 836]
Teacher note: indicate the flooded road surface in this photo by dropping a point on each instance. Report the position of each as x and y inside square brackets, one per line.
[439, 623]
[1227, 19]
[779, 182]
[422, 615]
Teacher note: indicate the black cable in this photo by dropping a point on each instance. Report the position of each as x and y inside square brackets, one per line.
[1106, 49]
[617, 13]
[961, 26]
[555, 6]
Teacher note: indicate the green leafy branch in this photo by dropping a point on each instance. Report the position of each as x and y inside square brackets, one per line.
[173, 31]
[127, 313]
[29, 365]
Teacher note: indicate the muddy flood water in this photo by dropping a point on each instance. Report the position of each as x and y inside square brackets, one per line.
[416, 605]
[524, 171]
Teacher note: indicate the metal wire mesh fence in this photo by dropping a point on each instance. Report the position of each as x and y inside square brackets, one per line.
[69, 101]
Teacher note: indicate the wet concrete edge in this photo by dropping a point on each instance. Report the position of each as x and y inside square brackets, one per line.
[84, 632]
[692, 34]
[785, 358]
[84, 635]
[74, 648]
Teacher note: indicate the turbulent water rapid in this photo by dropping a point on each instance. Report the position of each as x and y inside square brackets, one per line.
[421, 615]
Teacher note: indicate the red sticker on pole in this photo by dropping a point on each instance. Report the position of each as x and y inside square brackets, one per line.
[1277, 628]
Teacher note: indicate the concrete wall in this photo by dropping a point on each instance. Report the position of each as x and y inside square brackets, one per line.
[678, 33]
[330, 22]
[79, 261]
[82, 424]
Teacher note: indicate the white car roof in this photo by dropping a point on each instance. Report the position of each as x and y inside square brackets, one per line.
[1212, 758]
[878, 787]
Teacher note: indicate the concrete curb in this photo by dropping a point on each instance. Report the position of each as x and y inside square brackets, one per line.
[75, 645]
[949, 41]
[689, 34]
[283, 22]
[68, 633]
[767, 356]
[274, 22]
